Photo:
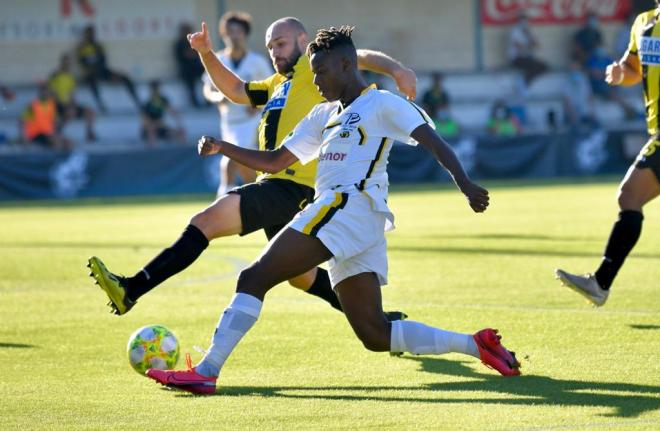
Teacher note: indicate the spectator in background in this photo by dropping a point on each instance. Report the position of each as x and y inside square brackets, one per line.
[595, 67]
[622, 38]
[62, 85]
[577, 98]
[38, 123]
[6, 93]
[188, 63]
[238, 123]
[587, 39]
[153, 118]
[445, 124]
[502, 122]
[521, 47]
[93, 63]
[436, 97]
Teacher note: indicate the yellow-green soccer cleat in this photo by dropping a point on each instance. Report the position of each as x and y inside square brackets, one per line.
[112, 285]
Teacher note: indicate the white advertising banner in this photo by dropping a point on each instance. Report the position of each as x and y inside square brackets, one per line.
[62, 20]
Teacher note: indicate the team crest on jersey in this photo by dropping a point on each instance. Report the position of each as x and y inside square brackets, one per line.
[649, 51]
[278, 100]
[344, 134]
[352, 118]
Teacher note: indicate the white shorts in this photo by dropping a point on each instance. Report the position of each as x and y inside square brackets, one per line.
[353, 232]
[243, 134]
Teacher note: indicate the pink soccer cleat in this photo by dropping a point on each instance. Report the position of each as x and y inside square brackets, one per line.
[188, 380]
[494, 355]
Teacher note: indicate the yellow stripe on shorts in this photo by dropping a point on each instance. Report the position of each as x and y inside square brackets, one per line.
[325, 209]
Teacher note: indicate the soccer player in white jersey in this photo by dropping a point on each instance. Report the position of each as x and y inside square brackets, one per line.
[351, 135]
[238, 123]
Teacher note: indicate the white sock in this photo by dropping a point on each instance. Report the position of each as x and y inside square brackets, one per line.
[236, 321]
[420, 339]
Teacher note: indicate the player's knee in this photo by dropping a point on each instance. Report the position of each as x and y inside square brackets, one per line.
[253, 280]
[628, 199]
[374, 336]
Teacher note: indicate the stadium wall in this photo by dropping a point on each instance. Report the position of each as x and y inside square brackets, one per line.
[142, 171]
[426, 34]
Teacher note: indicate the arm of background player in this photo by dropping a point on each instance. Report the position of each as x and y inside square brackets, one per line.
[626, 72]
[264, 161]
[378, 62]
[224, 79]
[476, 195]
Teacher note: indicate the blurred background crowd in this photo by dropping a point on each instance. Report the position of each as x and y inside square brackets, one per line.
[100, 75]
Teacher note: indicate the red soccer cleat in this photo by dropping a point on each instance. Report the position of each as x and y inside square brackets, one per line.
[494, 355]
[188, 380]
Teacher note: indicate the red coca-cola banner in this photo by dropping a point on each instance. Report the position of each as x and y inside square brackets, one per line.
[503, 12]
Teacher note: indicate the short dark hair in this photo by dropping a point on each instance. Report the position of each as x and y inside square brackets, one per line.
[328, 40]
[236, 17]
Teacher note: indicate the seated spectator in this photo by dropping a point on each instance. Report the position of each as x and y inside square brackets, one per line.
[6, 93]
[595, 67]
[436, 97]
[153, 118]
[93, 63]
[445, 124]
[521, 47]
[587, 39]
[62, 84]
[38, 123]
[577, 99]
[188, 63]
[502, 122]
[622, 38]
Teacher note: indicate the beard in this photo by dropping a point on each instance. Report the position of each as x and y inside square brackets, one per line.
[287, 65]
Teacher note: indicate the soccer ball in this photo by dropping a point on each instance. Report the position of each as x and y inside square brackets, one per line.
[152, 346]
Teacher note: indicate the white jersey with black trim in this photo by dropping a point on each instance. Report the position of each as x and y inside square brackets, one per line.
[353, 144]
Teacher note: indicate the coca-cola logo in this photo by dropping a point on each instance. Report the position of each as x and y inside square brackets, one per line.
[552, 11]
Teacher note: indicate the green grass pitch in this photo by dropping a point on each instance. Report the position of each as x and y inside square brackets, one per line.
[63, 356]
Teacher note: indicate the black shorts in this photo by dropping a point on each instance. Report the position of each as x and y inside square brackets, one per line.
[649, 157]
[270, 204]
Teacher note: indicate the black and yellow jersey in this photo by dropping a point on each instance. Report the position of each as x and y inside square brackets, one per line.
[645, 43]
[286, 99]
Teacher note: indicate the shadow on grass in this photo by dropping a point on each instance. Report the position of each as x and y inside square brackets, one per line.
[16, 346]
[645, 327]
[624, 399]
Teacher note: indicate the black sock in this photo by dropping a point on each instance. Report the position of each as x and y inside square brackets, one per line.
[624, 236]
[322, 288]
[170, 261]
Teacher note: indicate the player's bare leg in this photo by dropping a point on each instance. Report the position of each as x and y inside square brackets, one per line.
[360, 296]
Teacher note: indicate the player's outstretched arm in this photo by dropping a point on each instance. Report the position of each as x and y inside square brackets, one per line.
[378, 62]
[263, 161]
[476, 195]
[224, 79]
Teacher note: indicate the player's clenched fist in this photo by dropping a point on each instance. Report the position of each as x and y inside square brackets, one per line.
[201, 41]
[207, 146]
[477, 197]
[614, 74]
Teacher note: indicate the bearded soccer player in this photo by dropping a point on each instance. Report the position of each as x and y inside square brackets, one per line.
[351, 136]
[272, 201]
[640, 63]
